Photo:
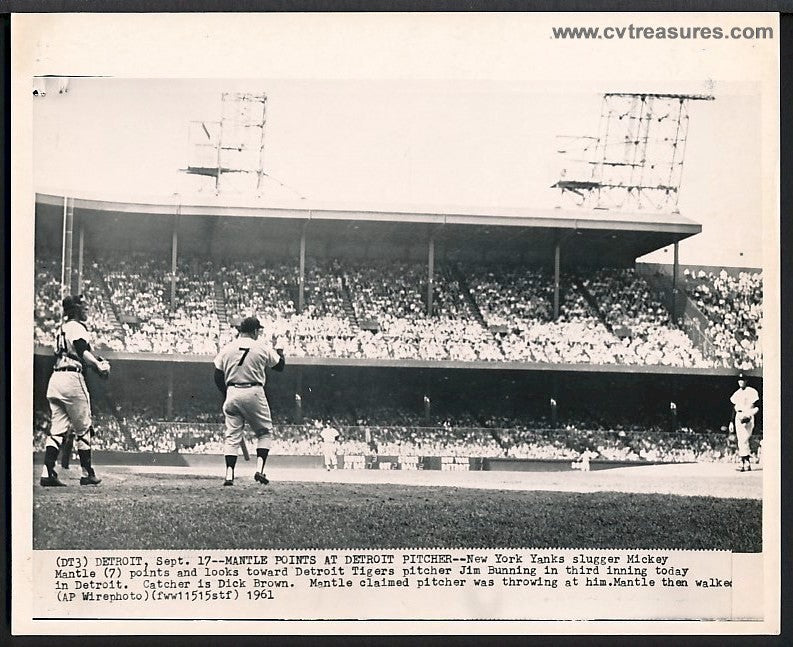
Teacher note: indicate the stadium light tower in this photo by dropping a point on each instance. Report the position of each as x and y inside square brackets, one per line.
[636, 159]
[231, 151]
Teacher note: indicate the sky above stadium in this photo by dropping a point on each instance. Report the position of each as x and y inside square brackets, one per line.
[471, 144]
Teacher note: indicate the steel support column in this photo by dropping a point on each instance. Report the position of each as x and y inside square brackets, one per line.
[675, 278]
[556, 271]
[301, 277]
[169, 396]
[80, 246]
[68, 245]
[299, 395]
[174, 254]
[430, 274]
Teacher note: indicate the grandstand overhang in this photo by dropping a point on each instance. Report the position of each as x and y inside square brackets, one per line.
[164, 359]
[587, 236]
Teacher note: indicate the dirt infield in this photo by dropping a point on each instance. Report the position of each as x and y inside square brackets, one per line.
[686, 479]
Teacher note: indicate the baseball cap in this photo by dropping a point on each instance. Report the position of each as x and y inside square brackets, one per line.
[250, 324]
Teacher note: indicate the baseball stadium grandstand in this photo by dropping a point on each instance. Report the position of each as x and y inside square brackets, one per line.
[488, 334]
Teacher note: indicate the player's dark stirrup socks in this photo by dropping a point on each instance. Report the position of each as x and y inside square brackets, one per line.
[231, 462]
[90, 477]
[50, 457]
[261, 459]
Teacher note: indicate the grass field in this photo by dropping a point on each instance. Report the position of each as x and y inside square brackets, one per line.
[151, 511]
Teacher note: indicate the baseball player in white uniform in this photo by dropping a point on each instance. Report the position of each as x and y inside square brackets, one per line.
[67, 394]
[329, 436]
[745, 402]
[240, 375]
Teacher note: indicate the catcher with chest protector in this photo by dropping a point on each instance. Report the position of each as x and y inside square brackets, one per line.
[67, 394]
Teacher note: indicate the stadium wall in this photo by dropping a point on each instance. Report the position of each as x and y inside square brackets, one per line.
[380, 463]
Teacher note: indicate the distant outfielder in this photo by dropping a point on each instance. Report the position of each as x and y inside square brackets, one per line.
[240, 376]
[67, 393]
[329, 438]
[745, 401]
[583, 461]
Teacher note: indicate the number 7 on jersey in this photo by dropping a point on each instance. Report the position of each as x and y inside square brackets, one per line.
[245, 352]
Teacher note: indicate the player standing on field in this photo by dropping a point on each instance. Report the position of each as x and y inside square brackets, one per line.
[239, 376]
[744, 401]
[67, 393]
[329, 437]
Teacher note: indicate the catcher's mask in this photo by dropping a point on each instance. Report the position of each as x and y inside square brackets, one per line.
[74, 307]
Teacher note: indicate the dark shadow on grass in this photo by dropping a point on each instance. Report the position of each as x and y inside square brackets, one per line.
[197, 513]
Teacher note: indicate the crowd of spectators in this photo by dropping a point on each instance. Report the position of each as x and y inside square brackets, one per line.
[512, 298]
[649, 336]
[108, 435]
[47, 314]
[105, 327]
[394, 431]
[733, 306]
[140, 289]
[625, 325]
[105, 330]
[264, 289]
[322, 329]
[392, 295]
[377, 310]
[618, 446]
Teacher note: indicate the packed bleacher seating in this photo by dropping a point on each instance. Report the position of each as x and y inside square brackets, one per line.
[324, 328]
[394, 431]
[385, 295]
[733, 306]
[140, 289]
[512, 297]
[47, 313]
[391, 294]
[626, 301]
[521, 304]
[266, 289]
[104, 326]
[377, 310]
[619, 446]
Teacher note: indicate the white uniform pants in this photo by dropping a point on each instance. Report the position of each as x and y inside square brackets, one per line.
[743, 431]
[329, 452]
[70, 406]
[245, 404]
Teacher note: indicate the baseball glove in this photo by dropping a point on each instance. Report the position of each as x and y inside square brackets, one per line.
[745, 419]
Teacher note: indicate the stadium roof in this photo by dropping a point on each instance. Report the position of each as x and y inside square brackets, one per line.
[589, 235]
[209, 205]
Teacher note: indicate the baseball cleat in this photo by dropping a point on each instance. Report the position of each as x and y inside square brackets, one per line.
[51, 481]
[228, 482]
[91, 479]
[259, 477]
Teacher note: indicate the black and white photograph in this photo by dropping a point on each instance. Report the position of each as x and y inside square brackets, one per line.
[460, 346]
